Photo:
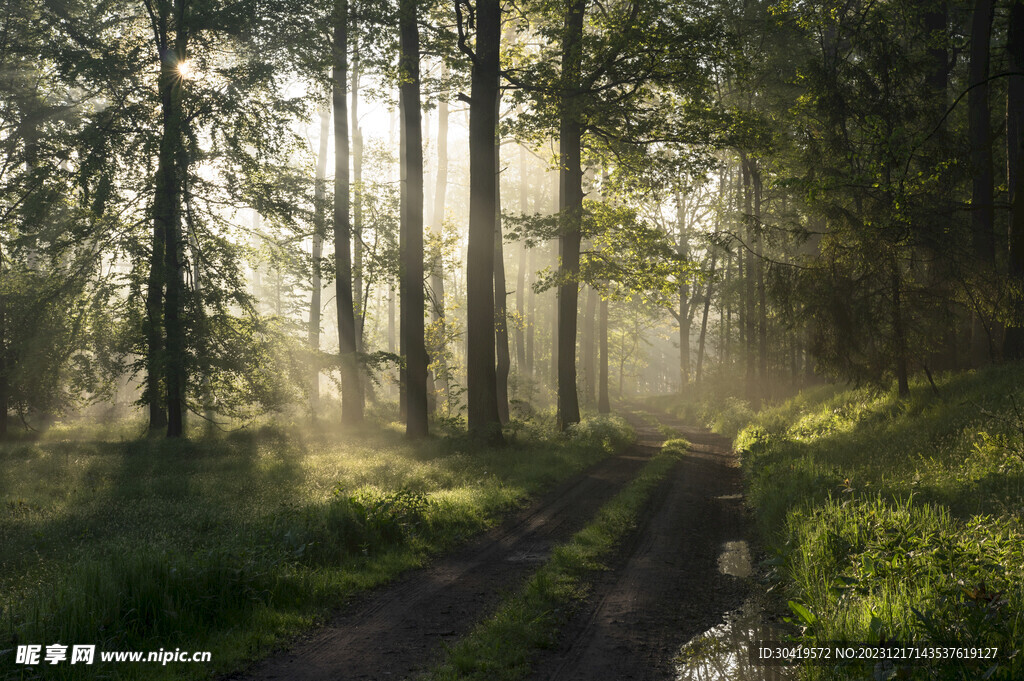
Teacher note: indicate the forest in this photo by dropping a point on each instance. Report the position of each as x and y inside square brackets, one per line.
[300, 299]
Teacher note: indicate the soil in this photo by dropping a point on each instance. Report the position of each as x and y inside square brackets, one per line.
[664, 586]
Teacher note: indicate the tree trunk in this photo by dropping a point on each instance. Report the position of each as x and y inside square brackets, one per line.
[762, 304]
[530, 316]
[153, 391]
[170, 174]
[359, 306]
[899, 333]
[351, 398]
[589, 347]
[5, 385]
[683, 251]
[481, 376]
[521, 279]
[319, 230]
[982, 209]
[437, 266]
[411, 246]
[704, 321]
[503, 360]
[603, 405]
[391, 320]
[1013, 347]
[571, 209]
[749, 307]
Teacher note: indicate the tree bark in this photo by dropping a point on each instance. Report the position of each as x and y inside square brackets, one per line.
[319, 230]
[589, 347]
[437, 266]
[521, 272]
[481, 376]
[503, 359]
[704, 322]
[1013, 344]
[762, 303]
[411, 237]
[603, 404]
[899, 332]
[683, 251]
[170, 174]
[571, 209]
[749, 307]
[351, 399]
[982, 208]
[530, 316]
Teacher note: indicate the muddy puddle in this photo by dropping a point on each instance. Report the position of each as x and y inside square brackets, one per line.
[722, 652]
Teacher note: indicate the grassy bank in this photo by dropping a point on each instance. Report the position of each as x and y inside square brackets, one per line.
[899, 520]
[230, 544]
[501, 647]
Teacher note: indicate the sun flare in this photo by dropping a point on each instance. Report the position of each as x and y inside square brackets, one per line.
[186, 69]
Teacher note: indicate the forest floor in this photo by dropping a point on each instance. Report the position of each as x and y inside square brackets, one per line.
[664, 584]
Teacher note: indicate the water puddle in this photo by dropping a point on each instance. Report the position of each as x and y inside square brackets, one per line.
[722, 653]
[735, 559]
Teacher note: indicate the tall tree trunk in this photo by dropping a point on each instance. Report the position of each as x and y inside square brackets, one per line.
[555, 246]
[153, 391]
[5, 383]
[982, 209]
[437, 265]
[589, 347]
[531, 315]
[170, 173]
[762, 304]
[521, 279]
[603, 404]
[481, 376]
[351, 398]
[357, 208]
[1013, 347]
[749, 307]
[319, 230]
[570, 145]
[704, 321]
[503, 360]
[411, 245]
[683, 251]
[360, 293]
[391, 320]
[899, 331]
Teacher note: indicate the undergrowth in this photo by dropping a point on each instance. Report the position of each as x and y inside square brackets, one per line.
[231, 544]
[899, 520]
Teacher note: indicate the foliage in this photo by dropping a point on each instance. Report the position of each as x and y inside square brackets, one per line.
[234, 543]
[898, 521]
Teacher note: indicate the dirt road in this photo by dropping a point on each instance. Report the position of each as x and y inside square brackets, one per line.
[665, 586]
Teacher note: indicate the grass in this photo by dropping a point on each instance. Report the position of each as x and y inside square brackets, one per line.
[232, 544]
[501, 647]
[899, 520]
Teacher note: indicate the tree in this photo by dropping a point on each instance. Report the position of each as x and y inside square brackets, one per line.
[352, 396]
[411, 243]
[481, 377]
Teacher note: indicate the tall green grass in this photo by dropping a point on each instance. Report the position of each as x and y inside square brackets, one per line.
[231, 544]
[899, 519]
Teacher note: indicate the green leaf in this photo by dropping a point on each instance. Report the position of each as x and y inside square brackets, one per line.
[803, 613]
